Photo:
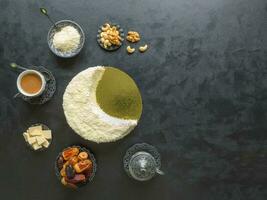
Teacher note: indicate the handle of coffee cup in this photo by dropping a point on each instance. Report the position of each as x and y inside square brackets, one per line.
[17, 95]
[159, 171]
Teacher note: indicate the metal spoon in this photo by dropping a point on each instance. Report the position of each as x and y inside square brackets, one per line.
[14, 65]
[44, 12]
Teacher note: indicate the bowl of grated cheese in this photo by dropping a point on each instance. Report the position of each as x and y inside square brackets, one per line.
[66, 39]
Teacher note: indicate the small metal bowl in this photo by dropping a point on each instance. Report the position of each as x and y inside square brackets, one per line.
[53, 30]
[112, 47]
[44, 127]
[92, 158]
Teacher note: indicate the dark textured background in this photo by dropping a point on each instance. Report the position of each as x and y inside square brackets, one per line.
[204, 88]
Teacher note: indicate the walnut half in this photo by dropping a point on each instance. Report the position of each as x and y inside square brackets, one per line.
[133, 36]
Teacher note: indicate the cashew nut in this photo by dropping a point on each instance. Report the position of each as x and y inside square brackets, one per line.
[143, 48]
[102, 40]
[130, 50]
[105, 27]
[106, 43]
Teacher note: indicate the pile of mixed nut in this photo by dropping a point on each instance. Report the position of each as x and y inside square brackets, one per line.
[110, 36]
[134, 37]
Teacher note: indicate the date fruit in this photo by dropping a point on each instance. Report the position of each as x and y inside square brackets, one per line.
[63, 172]
[70, 172]
[63, 181]
[83, 155]
[87, 172]
[78, 178]
[60, 163]
[70, 152]
[67, 184]
[82, 165]
[73, 160]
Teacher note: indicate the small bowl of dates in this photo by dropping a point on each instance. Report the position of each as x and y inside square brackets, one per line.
[75, 167]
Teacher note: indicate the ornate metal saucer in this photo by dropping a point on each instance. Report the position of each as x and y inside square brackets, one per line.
[49, 90]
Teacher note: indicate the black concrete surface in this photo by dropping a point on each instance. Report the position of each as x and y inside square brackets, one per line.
[204, 89]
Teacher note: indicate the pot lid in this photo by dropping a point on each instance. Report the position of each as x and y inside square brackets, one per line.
[142, 166]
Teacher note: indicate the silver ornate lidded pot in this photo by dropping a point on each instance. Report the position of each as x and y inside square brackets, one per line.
[142, 162]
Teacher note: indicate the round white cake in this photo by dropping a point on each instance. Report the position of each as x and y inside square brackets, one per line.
[102, 104]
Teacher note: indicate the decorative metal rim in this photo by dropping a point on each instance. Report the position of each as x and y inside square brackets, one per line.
[92, 158]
